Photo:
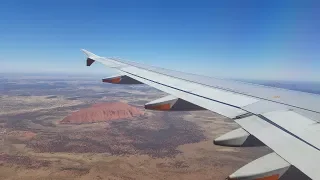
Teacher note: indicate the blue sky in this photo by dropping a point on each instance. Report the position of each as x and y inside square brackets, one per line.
[233, 39]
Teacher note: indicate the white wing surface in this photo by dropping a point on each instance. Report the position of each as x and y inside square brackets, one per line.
[284, 120]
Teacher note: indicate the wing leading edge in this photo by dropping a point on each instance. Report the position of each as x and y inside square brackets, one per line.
[286, 121]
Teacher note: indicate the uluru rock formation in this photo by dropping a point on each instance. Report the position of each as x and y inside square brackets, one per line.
[102, 112]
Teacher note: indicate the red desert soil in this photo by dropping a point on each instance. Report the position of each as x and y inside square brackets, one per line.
[102, 112]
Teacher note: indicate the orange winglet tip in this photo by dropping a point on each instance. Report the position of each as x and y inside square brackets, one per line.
[161, 107]
[273, 177]
[114, 80]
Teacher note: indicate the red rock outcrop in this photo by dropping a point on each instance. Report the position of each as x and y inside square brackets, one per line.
[102, 112]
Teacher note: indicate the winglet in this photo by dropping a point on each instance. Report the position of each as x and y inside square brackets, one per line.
[88, 54]
[90, 57]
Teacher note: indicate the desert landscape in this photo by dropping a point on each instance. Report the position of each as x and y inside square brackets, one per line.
[80, 128]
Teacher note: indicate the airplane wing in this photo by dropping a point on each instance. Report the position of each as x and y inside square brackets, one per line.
[284, 120]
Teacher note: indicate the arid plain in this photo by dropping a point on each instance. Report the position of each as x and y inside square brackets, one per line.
[35, 144]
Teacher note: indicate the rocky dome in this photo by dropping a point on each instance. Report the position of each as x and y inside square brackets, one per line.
[102, 112]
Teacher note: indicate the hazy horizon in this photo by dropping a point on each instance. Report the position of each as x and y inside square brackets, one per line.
[304, 86]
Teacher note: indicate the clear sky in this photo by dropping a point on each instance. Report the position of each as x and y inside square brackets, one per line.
[238, 39]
